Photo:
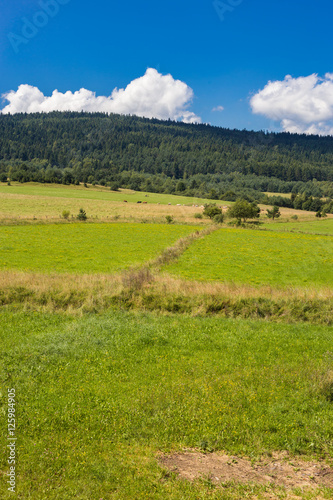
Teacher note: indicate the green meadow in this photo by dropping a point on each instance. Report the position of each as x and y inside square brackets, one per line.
[104, 388]
[84, 248]
[258, 258]
[99, 398]
[322, 226]
[95, 193]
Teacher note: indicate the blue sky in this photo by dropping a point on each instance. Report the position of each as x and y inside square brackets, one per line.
[224, 58]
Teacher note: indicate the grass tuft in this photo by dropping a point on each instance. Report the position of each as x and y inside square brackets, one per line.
[135, 280]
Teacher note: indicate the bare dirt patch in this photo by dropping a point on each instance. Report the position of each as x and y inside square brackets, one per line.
[280, 469]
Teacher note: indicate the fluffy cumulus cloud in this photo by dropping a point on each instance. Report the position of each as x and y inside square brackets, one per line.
[152, 95]
[302, 105]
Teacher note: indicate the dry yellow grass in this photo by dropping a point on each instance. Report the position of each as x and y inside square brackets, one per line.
[168, 285]
[284, 195]
[287, 213]
[142, 289]
[27, 207]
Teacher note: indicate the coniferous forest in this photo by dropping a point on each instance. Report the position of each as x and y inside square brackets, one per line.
[167, 157]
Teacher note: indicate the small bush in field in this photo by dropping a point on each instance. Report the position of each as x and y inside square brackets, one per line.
[65, 214]
[169, 219]
[82, 215]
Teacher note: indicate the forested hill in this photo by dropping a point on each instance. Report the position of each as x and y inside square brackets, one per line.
[156, 155]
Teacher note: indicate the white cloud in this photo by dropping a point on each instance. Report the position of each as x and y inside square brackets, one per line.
[302, 105]
[218, 108]
[152, 95]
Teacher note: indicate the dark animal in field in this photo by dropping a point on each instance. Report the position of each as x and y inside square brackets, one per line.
[139, 201]
[125, 201]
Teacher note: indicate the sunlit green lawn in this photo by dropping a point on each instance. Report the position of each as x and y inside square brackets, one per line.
[84, 248]
[258, 258]
[99, 397]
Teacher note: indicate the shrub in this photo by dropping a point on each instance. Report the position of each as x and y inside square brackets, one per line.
[65, 214]
[219, 218]
[274, 213]
[294, 217]
[198, 216]
[169, 219]
[211, 210]
[81, 215]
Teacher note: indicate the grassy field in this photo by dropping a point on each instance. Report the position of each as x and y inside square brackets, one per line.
[26, 202]
[285, 195]
[258, 258]
[102, 394]
[99, 398]
[47, 202]
[321, 226]
[84, 248]
[95, 193]
[32, 196]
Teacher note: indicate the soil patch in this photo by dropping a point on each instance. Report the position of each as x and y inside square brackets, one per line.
[280, 469]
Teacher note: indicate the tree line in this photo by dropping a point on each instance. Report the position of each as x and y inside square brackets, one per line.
[165, 156]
